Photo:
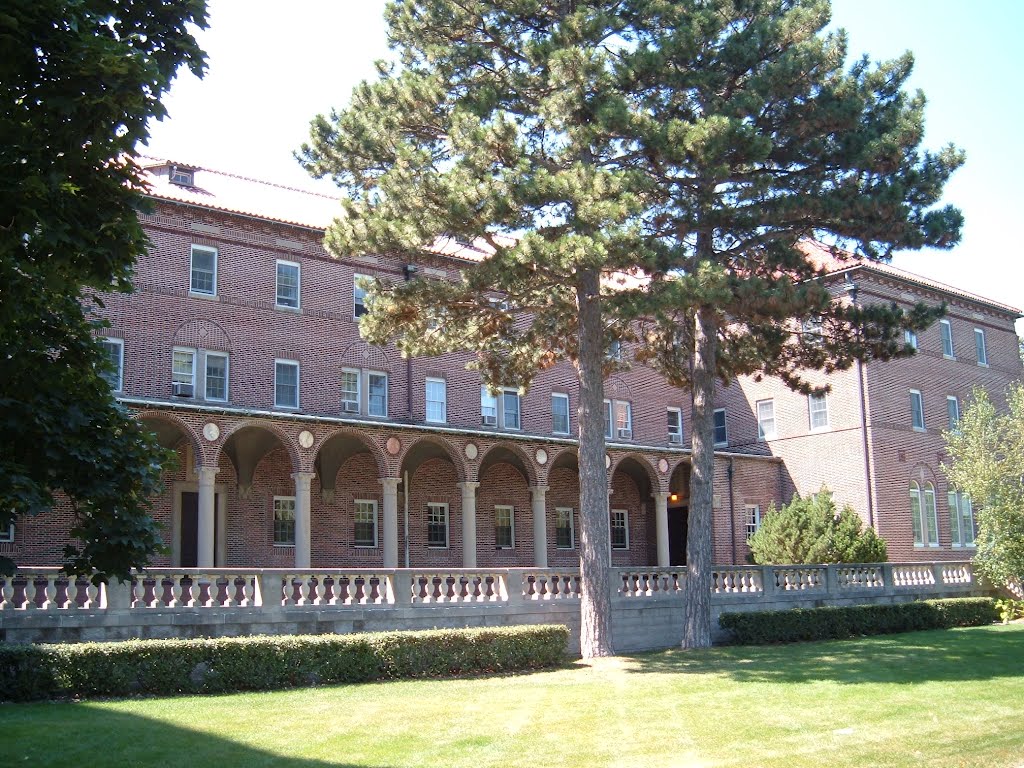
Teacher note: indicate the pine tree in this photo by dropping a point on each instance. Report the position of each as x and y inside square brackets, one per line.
[638, 171]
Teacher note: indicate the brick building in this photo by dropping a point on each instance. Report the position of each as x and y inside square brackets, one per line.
[301, 445]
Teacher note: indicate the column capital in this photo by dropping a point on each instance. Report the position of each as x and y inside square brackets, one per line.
[390, 483]
[207, 474]
[468, 486]
[540, 488]
[661, 495]
[303, 479]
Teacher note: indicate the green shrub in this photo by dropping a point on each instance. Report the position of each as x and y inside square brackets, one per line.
[165, 667]
[832, 623]
[811, 530]
[1010, 609]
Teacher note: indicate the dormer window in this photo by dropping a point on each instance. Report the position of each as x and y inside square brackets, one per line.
[186, 177]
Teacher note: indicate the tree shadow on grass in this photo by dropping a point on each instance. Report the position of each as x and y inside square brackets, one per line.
[66, 733]
[981, 653]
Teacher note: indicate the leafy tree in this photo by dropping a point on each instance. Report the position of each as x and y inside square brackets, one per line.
[987, 462]
[639, 171]
[811, 530]
[78, 83]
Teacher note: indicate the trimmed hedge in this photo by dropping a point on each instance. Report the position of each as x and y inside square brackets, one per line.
[834, 623]
[220, 665]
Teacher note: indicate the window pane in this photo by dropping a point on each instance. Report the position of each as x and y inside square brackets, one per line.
[915, 515]
[437, 397]
[183, 367]
[954, 520]
[113, 350]
[286, 385]
[503, 521]
[365, 523]
[620, 534]
[721, 434]
[560, 414]
[359, 295]
[818, 405]
[284, 519]
[350, 391]
[766, 419]
[947, 338]
[916, 410]
[675, 425]
[979, 346]
[377, 394]
[287, 284]
[488, 408]
[953, 411]
[910, 337]
[510, 408]
[931, 517]
[216, 377]
[607, 418]
[204, 270]
[753, 519]
[966, 520]
[437, 525]
[563, 528]
[623, 416]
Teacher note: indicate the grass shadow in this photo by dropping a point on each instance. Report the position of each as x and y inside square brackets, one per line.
[978, 653]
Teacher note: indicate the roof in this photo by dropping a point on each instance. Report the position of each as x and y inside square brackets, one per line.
[835, 262]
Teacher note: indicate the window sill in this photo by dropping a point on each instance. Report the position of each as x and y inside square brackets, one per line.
[201, 295]
[948, 357]
[816, 430]
[919, 429]
[722, 445]
[284, 546]
[437, 546]
[288, 408]
[365, 546]
[983, 365]
[435, 421]
[284, 308]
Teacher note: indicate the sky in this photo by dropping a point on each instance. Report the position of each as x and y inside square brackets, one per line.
[272, 68]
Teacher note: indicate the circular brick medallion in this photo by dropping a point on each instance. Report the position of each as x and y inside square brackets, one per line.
[306, 438]
[472, 451]
[663, 466]
[211, 431]
[607, 461]
[393, 445]
[541, 456]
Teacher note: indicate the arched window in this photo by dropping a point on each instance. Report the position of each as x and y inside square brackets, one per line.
[931, 516]
[961, 518]
[923, 516]
[915, 514]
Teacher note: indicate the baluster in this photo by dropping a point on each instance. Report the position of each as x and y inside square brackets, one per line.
[30, 593]
[319, 590]
[248, 593]
[194, 592]
[92, 596]
[175, 600]
[49, 593]
[71, 594]
[7, 594]
[303, 590]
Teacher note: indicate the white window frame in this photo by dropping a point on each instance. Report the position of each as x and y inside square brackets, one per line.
[924, 515]
[818, 397]
[917, 411]
[946, 334]
[569, 511]
[441, 404]
[910, 338]
[725, 427]
[980, 347]
[358, 402]
[961, 519]
[183, 177]
[7, 535]
[359, 296]
[191, 270]
[563, 397]
[623, 408]
[387, 388]
[176, 377]
[372, 503]
[675, 435]
[488, 407]
[953, 412]
[119, 343]
[762, 421]
[609, 420]
[625, 528]
[277, 285]
[298, 382]
[431, 507]
[207, 354]
[510, 392]
[752, 519]
[511, 510]
[274, 519]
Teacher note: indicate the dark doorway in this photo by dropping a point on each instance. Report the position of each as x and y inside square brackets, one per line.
[677, 535]
[190, 529]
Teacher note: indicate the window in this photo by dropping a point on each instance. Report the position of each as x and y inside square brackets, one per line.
[916, 410]
[608, 419]
[817, 407]
[365, 534]
[286, 384]
[183, 373]
[284, 520]
[812, 331]
[675, 426]
[504, 527]
[614, 352]
[359, 283]
[376, 393]
[437, 525]
[437, 400]
[721, 433]
[350, 390]
[961, 519]
[623, 420]
[7, 534]
[923, 517]
[910, 338]
[620, 529]
[216, 376]
[560, 414]
[509, 411]
[979, 346]
[114, 351]
[565, 533]
[947, 338]
[953, 412]
[753, 514]
[182, 176]
[765, 419]
[204, 270]
[288, 284]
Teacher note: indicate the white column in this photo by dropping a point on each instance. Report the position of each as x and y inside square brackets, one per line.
[661, 528]
[207, 516]
[469, 524]
[390, 520]
[302, 518]
[539, 497]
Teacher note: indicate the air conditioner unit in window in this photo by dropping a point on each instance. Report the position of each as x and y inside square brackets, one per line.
[675, 439]
[490, 421]
[347, 406]
[625, 434]
[183, 390]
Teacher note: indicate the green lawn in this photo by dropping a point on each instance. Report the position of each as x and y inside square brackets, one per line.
[943, 698]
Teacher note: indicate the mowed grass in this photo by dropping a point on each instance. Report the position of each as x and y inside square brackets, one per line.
[942, 698]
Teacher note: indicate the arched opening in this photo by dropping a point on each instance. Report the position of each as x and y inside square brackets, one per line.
[631, 508]
[430, 506]
[504, 512]
[678, 513]
[563, 502]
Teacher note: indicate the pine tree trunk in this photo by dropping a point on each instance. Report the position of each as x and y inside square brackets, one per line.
[697, 590]
[595, 555]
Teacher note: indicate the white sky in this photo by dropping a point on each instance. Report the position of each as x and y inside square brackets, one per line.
[273, 67]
